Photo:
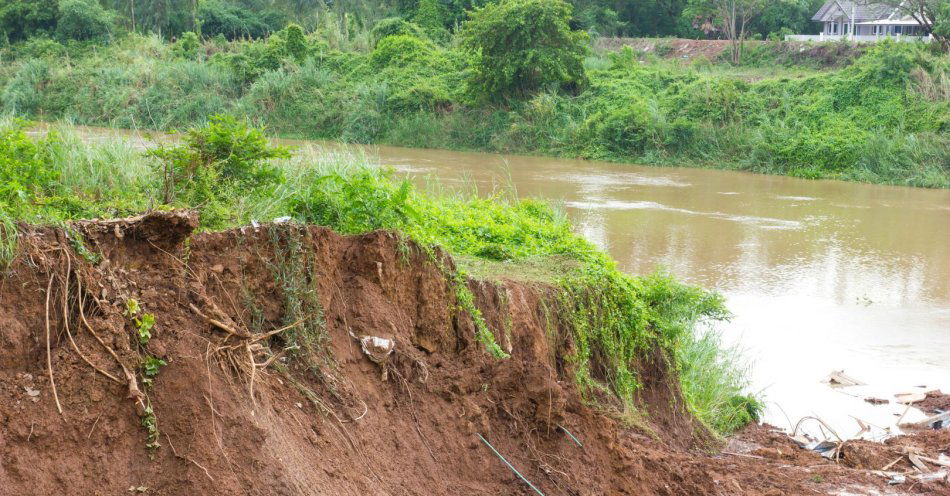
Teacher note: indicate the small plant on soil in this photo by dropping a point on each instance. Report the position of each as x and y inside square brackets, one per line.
[150, 423]
[143, 324]
[76, 241]
[150, 368]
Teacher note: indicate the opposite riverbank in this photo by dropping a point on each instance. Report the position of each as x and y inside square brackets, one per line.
[876, 114]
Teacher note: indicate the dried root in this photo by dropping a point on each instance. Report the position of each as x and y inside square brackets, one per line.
[240, 348]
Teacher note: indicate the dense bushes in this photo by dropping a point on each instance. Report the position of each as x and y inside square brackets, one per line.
[234, 21]
[23, 19]
[83, 20]
[884, 118]
[392, 26]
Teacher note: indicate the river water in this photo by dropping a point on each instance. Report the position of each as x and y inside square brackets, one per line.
[820, 275]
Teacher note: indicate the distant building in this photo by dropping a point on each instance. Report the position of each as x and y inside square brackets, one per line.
[863, 21]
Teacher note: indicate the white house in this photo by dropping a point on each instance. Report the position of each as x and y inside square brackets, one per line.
[863, 21]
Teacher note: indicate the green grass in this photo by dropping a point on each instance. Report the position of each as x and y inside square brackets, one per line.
[615, 319]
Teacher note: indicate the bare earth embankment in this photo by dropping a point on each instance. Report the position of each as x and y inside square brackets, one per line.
[273, 384]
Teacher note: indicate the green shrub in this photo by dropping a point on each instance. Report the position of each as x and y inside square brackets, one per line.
[433, 17]
[392, 26]
[718, 100]
[187, 46]
[624, 131]
[520, 47]
[402, 51]
[40, 47]
[213, 162]
[295, 42]
[25, 172]
[835, 144]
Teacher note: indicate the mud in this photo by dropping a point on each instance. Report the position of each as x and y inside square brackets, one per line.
[935, 402]
[315, 415]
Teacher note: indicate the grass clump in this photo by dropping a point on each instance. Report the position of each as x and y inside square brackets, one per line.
[292, 269]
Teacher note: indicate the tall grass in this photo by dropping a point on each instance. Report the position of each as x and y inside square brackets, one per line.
[715, 381]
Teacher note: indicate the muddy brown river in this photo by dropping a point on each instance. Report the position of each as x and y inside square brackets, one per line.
[820, 275]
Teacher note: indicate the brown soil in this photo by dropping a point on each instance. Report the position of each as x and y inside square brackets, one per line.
[822, 55]
[328, 421]
[936, 402]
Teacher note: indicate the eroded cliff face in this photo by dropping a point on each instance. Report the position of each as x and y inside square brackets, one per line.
[272, 384]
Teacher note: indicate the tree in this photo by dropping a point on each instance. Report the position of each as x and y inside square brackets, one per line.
[519, 47]
[732, 17]
[83, 20]
[931, 14]
[22, 19]
[787, 15]
[941, 29]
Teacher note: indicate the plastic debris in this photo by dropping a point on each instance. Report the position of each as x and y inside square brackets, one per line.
[837, 378]
[378, 350]
[910, 398]
[897, 479]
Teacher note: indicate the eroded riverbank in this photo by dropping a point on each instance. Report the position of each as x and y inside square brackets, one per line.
[820, 275]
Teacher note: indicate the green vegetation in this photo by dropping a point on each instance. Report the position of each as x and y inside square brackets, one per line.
[617, 321]
[20, 19]
[143, 322]
[884, 118]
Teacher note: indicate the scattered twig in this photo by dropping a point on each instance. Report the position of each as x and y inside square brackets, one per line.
[935, 461]
[88, 436]
[510, 466]
[889, 465]
[175, 452]
[918, 463]
[265, 335]
[217, 323]
[30, 436]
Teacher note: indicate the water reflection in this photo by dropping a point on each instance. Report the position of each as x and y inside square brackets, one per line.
[820, 275]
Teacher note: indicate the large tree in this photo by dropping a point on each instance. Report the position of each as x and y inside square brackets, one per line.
[928, 13]
[520, 47]
[22, 19]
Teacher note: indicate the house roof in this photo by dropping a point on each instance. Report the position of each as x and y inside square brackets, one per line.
[862, 10]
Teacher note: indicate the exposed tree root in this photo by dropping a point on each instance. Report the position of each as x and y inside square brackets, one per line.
[49, 355]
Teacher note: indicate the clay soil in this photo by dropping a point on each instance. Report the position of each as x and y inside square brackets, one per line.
[325, 419]
[822, 55]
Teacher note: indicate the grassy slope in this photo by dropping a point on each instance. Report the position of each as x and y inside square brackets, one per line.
[885, 119]
[615, 318]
